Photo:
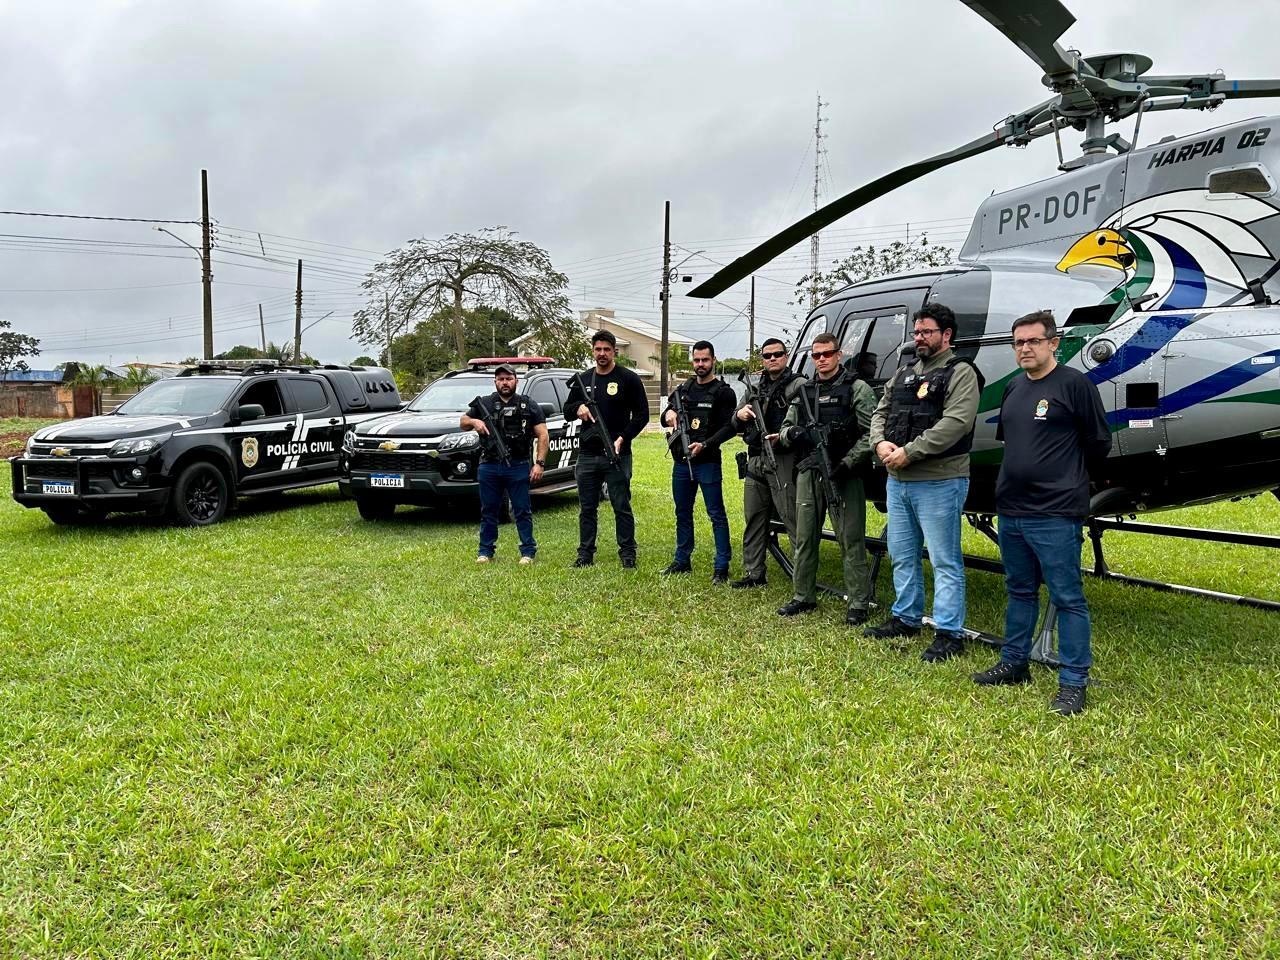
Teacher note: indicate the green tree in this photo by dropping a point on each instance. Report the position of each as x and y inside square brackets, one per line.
[429, 349]
[240, 352]
[865, 263]
[364, 362]
[468, 270]
[91, 375]
[13, 348]
[137, 377]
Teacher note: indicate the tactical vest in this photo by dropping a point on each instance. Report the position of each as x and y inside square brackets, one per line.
[916, 405]
[699, 402]
[832, 400]
[515, 423]
[772, 398]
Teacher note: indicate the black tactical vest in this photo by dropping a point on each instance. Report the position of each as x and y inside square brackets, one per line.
[515, 422]
[699, 402]
[916, 405]
[832, 400]
[772, 398]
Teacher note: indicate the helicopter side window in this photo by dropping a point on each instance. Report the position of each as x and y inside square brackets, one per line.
[872, 342]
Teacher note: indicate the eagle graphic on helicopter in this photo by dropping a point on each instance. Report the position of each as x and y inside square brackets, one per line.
[1157, 262]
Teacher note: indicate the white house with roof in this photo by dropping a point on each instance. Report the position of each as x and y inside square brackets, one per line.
[637, 340]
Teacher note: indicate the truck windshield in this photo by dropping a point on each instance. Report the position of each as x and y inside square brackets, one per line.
[180, 397]
[452, 394]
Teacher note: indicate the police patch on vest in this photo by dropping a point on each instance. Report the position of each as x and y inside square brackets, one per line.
[1041, 409]
[612, 389]
[249, 452]
[924, 389]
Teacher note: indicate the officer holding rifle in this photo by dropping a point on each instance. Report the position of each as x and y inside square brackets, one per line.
[827, 427]
[769, 486]
[507, 422]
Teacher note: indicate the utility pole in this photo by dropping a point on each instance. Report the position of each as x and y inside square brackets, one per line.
[751, 327]
[664, 347]
[818, 137]
[386, 310]
[208, 272]
[262, 327]
[297, 319]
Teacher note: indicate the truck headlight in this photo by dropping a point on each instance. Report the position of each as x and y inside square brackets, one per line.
[459, 441]
[132, 448]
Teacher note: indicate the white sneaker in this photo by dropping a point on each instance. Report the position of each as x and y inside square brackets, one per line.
[525, 561]
[483, 559]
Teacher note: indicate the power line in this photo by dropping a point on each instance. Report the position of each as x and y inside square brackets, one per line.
[81, 216]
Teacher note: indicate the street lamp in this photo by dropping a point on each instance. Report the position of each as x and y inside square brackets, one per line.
[207, 280]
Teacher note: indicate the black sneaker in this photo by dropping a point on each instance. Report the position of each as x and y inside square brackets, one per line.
[855, 616]
[793, 607]
[891, 628]
[673, 568]
[584, 562]
[1003, 674]
[720, 576]
[628, 563]
[945, 646]
[747, 583]
[1070, 700]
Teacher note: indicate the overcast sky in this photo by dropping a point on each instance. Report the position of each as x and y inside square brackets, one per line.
[339, 131]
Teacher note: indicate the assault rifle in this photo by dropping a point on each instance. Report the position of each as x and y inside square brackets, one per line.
[597, 421]
[681, 432]
[820, 435]
[753, 401]
[496, 439]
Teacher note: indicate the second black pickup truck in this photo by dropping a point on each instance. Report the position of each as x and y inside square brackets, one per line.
[189, 445]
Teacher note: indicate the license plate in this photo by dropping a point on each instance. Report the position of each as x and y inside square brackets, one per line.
[386, 479]
[58, 488]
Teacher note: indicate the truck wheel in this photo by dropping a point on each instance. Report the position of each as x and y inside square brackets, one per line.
[200, 495]
[66, 515]
[375, 508]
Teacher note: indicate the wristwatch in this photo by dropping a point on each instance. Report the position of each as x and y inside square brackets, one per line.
[540, 463]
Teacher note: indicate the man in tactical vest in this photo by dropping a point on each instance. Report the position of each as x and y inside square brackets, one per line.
[517, 420]
[767, 489]
[922, 431]
[707, 402]
[830, 416]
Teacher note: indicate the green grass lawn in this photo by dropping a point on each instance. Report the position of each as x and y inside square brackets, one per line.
[298, 733]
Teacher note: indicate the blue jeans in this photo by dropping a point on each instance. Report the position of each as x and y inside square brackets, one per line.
[707, 478]
[495, 480]
[1045, 550]
[927, 513]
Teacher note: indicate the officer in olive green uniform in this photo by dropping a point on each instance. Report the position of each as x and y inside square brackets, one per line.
[843, 403]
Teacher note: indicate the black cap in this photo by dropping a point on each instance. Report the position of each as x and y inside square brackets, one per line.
[504, 368]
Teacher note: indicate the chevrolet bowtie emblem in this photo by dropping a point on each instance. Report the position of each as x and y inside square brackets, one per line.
[60, 452]
[389, 445]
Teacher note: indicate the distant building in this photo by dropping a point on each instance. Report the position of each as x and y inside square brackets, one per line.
[637, 340]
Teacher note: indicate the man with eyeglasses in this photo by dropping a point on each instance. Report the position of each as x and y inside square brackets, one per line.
[842, 404]
[921, 432]
[766, 491]
[708, 403]
[1055, 433]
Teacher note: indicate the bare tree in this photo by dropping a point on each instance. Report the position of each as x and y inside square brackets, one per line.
[464, 270]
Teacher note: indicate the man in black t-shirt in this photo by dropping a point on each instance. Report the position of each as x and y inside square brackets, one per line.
[1054, 429]
[508, 422]
[619, 395]
[708, 404]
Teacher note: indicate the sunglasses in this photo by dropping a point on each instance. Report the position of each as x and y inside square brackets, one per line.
[774, 356]
[823, 354]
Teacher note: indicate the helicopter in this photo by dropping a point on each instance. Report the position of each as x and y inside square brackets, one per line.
[1159, 263]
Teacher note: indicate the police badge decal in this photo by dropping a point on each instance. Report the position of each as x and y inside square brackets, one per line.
[249, 452]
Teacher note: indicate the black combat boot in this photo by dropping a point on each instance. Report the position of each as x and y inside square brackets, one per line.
[747, 583]
[891, 629]
[673, 568]
[855, 616]
[720, 576]
[793, 607]
[583, 561]
[1003, 674]
[1070, 700]
[945, 646]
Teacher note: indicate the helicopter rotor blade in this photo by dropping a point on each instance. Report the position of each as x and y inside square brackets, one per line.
[754, 259]
[1240, 89]
[1034, 26]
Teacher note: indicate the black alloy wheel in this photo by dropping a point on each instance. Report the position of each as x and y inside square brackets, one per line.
[200, 497]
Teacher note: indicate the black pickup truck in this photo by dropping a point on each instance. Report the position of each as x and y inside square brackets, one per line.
[421, 456]
[189, 445]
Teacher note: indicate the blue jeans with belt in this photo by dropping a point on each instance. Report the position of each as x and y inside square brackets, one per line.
[495, 480]
[707, 478]
[927, 513]
[1045, 550]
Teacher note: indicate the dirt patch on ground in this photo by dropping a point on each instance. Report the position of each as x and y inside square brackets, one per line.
[12, 443]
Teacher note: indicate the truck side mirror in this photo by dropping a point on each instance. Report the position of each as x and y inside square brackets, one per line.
[250, 411]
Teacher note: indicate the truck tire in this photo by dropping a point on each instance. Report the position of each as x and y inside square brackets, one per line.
[67, 515]
[375, 508]
[201, 495]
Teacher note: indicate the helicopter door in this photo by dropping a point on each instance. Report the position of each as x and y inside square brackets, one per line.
[1140, 428]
